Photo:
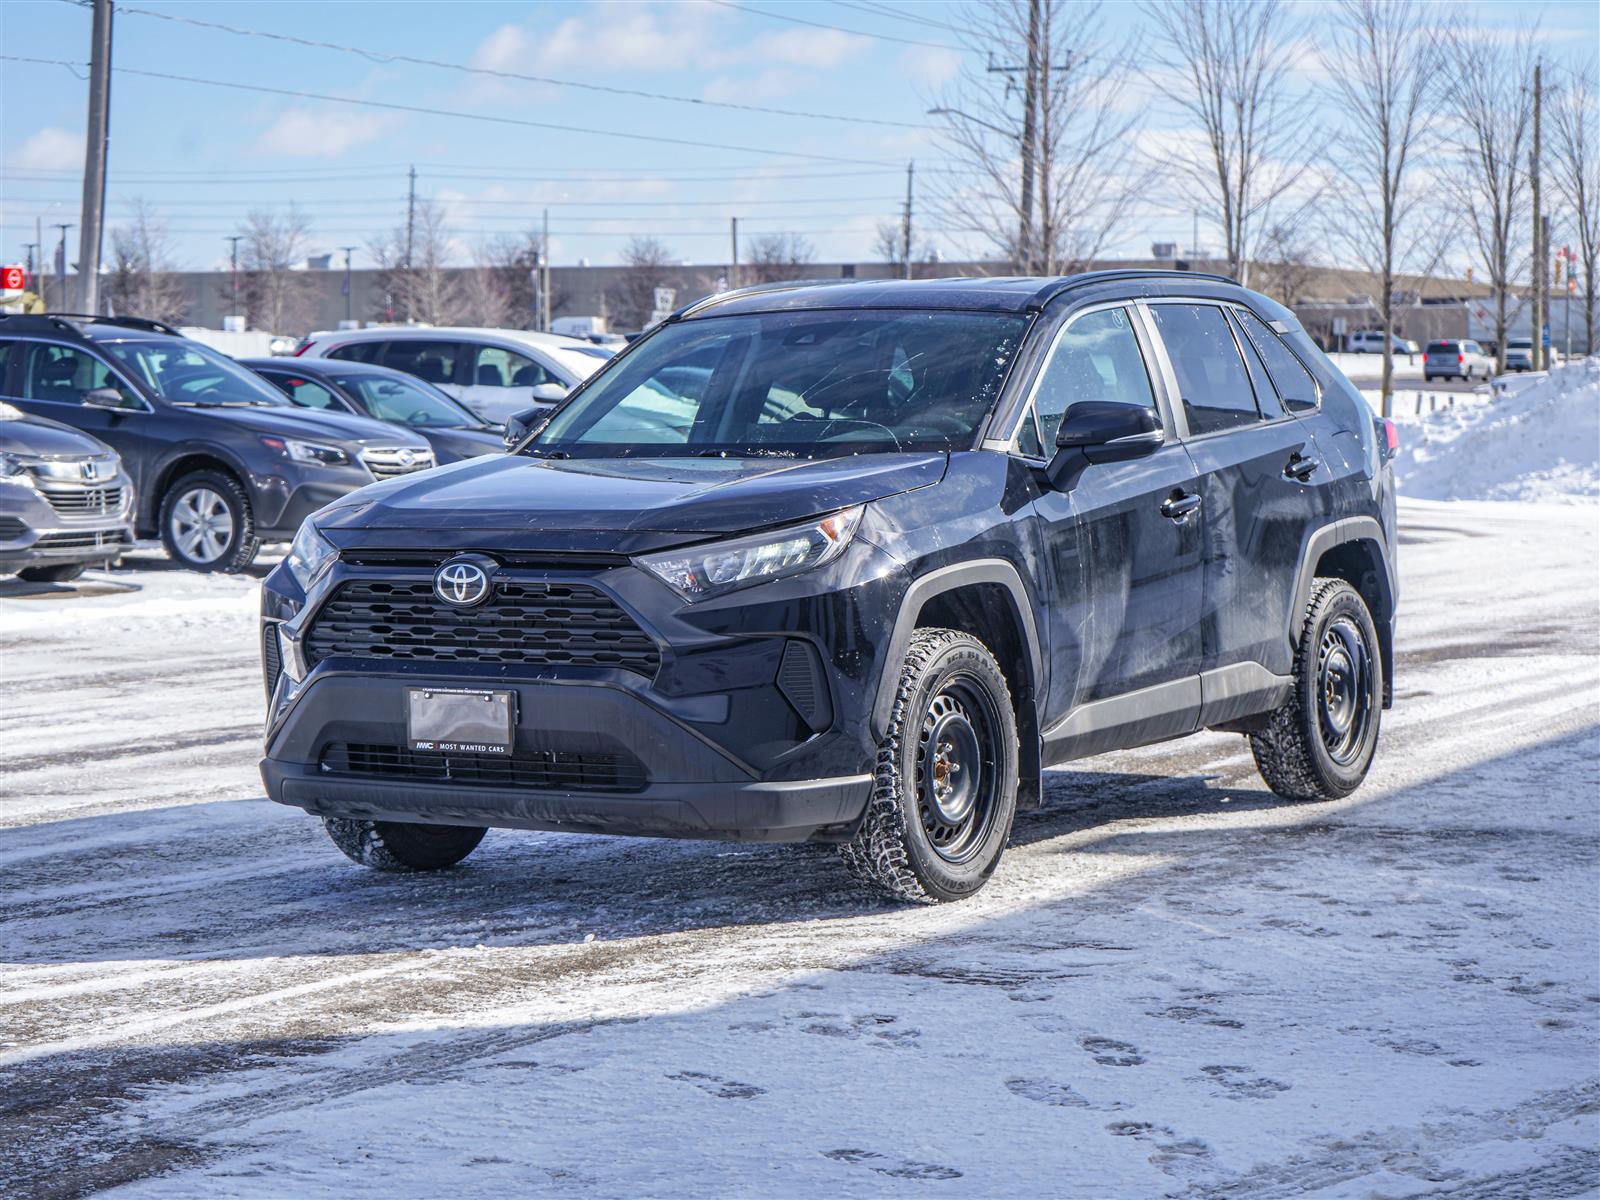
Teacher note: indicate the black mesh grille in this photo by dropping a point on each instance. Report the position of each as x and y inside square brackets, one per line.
[546, 769]
[271, 662]
[525, 622]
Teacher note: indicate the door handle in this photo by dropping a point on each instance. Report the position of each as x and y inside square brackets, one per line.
[1180, 504]
[1300, 467]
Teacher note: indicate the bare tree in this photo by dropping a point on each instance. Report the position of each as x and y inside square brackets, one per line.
[1490, 98]
[776, 257]
[1381, 58]
[1046, 165]
[278, 294]
[141, 282]
[1576, 152]
[414, 268]
[1287, 261]
[1232, 58]
[631, 299]
[890, 247]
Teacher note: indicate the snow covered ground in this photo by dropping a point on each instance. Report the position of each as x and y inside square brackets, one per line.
[1177, 985]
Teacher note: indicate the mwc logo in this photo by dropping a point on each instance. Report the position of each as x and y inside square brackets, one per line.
[12, 279]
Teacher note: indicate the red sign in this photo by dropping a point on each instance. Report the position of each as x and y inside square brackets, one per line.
[12, 279]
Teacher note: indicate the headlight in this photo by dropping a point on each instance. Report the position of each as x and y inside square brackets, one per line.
[309, 555]
[13, 470]
[702, 571]
[312, 452]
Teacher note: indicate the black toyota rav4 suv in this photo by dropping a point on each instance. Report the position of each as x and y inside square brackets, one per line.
[853, 563]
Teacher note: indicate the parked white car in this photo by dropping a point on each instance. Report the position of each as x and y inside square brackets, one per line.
[1456, 359]
[1370, 341]
[494, 372]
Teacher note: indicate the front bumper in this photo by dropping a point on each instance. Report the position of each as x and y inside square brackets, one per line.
[34, 533]
[711, 742]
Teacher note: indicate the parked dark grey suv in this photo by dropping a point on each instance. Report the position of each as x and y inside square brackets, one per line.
[853, 563]
[221, 460]
[65, 501]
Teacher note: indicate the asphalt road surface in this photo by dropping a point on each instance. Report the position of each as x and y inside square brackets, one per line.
[1176, 984]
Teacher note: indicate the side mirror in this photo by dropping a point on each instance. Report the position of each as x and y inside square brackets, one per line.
[548, 393]
[106, 397]
[1101, 431]
[520, 425]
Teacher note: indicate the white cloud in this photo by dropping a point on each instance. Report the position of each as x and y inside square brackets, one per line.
[307, 133]
[930, 68]
[772, 84]
[506, 49]
[631, 38]
[822, 49]
[51, 149]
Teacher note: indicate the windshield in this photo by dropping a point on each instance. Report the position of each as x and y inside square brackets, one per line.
[407, 401]
[804, 384]
[189, 373]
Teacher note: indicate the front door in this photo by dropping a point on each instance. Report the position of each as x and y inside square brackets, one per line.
[1124, 548]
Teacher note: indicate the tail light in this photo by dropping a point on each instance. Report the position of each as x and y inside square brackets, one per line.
[1461, 358]
[1388, 437]
[305, 344]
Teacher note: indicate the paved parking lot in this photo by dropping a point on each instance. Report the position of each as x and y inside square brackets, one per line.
[1176, 984]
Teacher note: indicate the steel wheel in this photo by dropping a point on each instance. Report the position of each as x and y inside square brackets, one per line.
[1344, 690]
[957, 775]
[201, 525]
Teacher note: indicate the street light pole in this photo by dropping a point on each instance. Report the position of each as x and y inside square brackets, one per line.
[348, 252]
[94, 159]
[233, 270]
[61, 265]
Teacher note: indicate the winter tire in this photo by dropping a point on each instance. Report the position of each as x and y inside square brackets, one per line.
[207, 523]
[402, 846]
[945, 789]
[59, 573]
[1319, 744]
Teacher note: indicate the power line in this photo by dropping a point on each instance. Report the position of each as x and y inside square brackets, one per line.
[423, 110]
[882, 37]
[380, 57]
[899, 14]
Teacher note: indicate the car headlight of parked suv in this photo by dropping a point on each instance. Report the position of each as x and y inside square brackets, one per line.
[309, 555]
[13, 470]
[702, 571]
[312, 452]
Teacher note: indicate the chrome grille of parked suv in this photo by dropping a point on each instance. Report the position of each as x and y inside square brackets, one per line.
[527, 622]
[83, 502]
[385, 461]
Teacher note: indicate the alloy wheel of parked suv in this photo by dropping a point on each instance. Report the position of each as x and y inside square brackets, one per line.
[945, 790]
[207, 524]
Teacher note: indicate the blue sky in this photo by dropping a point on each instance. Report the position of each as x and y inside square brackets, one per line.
[202, 155]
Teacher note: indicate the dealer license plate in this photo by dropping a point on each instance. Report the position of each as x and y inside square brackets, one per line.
[460, 720]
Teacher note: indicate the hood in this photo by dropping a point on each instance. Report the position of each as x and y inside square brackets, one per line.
[452, 445]
[50, 439]
[564, 497]
[290, 422]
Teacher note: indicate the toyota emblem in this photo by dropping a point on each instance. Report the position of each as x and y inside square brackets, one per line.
[461, 583]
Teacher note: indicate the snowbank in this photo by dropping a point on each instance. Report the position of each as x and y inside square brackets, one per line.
[1540, 442]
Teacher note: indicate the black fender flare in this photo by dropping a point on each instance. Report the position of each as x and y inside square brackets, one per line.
[162, 475]
[1338, 533]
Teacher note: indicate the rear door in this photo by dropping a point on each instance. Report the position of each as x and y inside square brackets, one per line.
[502, 382]
[1124, 559]
[1264, 483]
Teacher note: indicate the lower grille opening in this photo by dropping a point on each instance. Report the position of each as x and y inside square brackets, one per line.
[557, 770]
[96, 540]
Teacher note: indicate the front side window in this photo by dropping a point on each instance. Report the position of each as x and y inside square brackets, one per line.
[1096, 358]
[1211, 375]
[431, 362]
[801, 384]
[1294, 383]
[365, 352]
[188, 373]
[502, 368]
[65, 375]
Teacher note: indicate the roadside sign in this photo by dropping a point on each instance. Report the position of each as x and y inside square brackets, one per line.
[13, 279]
[1545, 335]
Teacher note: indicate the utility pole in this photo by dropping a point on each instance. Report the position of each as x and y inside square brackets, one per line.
[411, 226]
[905, 224]
[544, 268]
[233, 269]
[1539, 290]
[38, 240]
[33, 249]
[733, 265]
[1030, 125]
[349, 251]
[94, 159]
[61, 269]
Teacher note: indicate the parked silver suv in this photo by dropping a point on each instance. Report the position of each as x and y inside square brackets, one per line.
[65, 501]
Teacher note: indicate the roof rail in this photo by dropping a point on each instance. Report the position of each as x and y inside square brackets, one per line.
[144, 323]
[755, 289]
[1069, 283]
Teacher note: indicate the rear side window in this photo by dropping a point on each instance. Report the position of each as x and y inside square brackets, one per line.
[1097, 358]
[498, 367]
[432, 362]
[364, 352]
[1441, 348]
[1211, 376]
[1294, 383]
[303, 392]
